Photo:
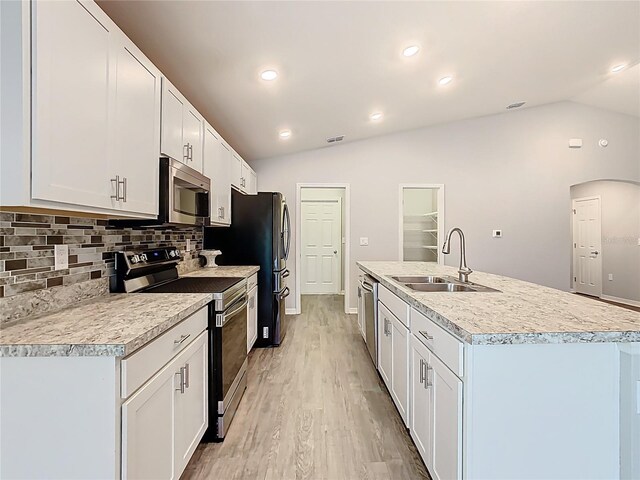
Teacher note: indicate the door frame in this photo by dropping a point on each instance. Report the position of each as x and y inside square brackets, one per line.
[574, 277]
[441, 229]
[346, 233]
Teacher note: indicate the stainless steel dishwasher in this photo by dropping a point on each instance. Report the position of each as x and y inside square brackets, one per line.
[368, 291]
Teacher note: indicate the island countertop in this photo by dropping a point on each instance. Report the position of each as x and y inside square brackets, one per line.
[113, 325]
[520, 313]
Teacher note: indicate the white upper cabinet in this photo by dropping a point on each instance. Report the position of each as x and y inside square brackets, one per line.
[95, 113]
[72, 95]
[236, 171]
[217, 166]
[137, 129]
[182, 128]
[252, 188]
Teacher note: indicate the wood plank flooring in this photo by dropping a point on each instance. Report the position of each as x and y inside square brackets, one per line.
[314, 408]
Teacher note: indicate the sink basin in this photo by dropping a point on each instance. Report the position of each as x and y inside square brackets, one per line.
[420, 279]
[440, 287]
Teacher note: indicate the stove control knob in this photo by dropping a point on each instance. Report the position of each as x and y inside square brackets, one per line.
[172, 253]
[143, 257]
[134, 259]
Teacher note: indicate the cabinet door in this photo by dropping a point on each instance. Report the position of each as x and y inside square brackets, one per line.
[421, 402]
[224, 193]
[148, 428]
[384, 344]
[236, 171]
[72, 80]
[400, 366]
[216, 166]
[253, 182]
[447, 421]
[171, 141]
[252, 318]
[136, 128]
[191, 419]
[193, 125]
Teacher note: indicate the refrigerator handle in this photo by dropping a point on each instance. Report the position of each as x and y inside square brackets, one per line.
[287, 230]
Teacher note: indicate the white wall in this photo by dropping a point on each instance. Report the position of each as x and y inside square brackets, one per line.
[510, 171]
[620, 215]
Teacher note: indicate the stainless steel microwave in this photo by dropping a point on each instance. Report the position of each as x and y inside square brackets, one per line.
[184, 194]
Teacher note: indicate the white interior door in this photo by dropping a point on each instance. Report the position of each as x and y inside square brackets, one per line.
[321, 253]
[587, 246]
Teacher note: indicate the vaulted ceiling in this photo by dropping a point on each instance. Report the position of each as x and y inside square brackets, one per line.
[338, 62]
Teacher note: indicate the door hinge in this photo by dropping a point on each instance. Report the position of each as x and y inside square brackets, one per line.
[575, 279]
[574, 211]
[575, 245]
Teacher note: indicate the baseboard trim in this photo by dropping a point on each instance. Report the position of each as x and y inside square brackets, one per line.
[291, 311]
[633, 303]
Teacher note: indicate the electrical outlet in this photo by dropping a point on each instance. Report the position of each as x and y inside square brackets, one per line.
[497, 234]
[611, 277]
[364, 241]
[265, 332]
[61, 257]
[188, 244]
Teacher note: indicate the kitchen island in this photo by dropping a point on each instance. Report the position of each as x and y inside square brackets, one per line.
[524, 382]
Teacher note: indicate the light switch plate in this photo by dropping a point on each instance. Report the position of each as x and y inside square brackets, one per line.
[611, 277]
[575, 143]
[61, 257]
[364, 241]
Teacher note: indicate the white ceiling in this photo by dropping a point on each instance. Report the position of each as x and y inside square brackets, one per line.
[341, 61]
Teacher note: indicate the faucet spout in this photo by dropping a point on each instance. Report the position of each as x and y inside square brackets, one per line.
[463, 270]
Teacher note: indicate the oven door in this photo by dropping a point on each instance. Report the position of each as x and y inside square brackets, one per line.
[231, 329]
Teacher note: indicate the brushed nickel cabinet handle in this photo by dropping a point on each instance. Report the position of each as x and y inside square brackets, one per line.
[116, 180]
[186, 375]
[181, 339]
[124, 189]
[426, 335]
[421, 370]
[427, 382]
[181, 387]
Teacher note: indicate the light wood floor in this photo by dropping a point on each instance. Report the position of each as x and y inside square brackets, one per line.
[314, 408]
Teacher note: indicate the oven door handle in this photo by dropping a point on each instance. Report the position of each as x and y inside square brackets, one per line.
[221, 318]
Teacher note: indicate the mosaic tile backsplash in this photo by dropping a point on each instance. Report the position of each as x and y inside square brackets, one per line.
[27, 242]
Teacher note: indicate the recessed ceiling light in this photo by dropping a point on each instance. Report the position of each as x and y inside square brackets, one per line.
[284, 134]
[376, 116]
[619, 68]
[269, 75]
[445, 80]
[411, 51]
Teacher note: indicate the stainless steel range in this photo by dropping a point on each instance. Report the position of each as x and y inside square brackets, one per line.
[154, 271]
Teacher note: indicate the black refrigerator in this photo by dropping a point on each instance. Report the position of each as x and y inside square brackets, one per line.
[260, 234]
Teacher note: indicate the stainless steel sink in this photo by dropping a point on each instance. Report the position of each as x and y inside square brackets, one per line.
[440, 287]
[445, 283]
[420, 279]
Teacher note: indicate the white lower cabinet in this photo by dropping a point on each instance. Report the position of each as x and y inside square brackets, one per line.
[252, 318]
[393, 358]
[163, 422]
[400, 367]
[384, 344]
[436, 413]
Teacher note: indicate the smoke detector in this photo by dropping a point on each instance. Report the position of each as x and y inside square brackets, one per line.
[515, 105]
[337, 138]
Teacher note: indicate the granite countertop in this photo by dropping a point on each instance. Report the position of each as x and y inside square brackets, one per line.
[113, 325]
[520, 313]
[241, 271]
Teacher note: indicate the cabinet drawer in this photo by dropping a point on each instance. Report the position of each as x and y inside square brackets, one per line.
[141, 365]
[441, 343]
[395, 305]
[252, 281]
